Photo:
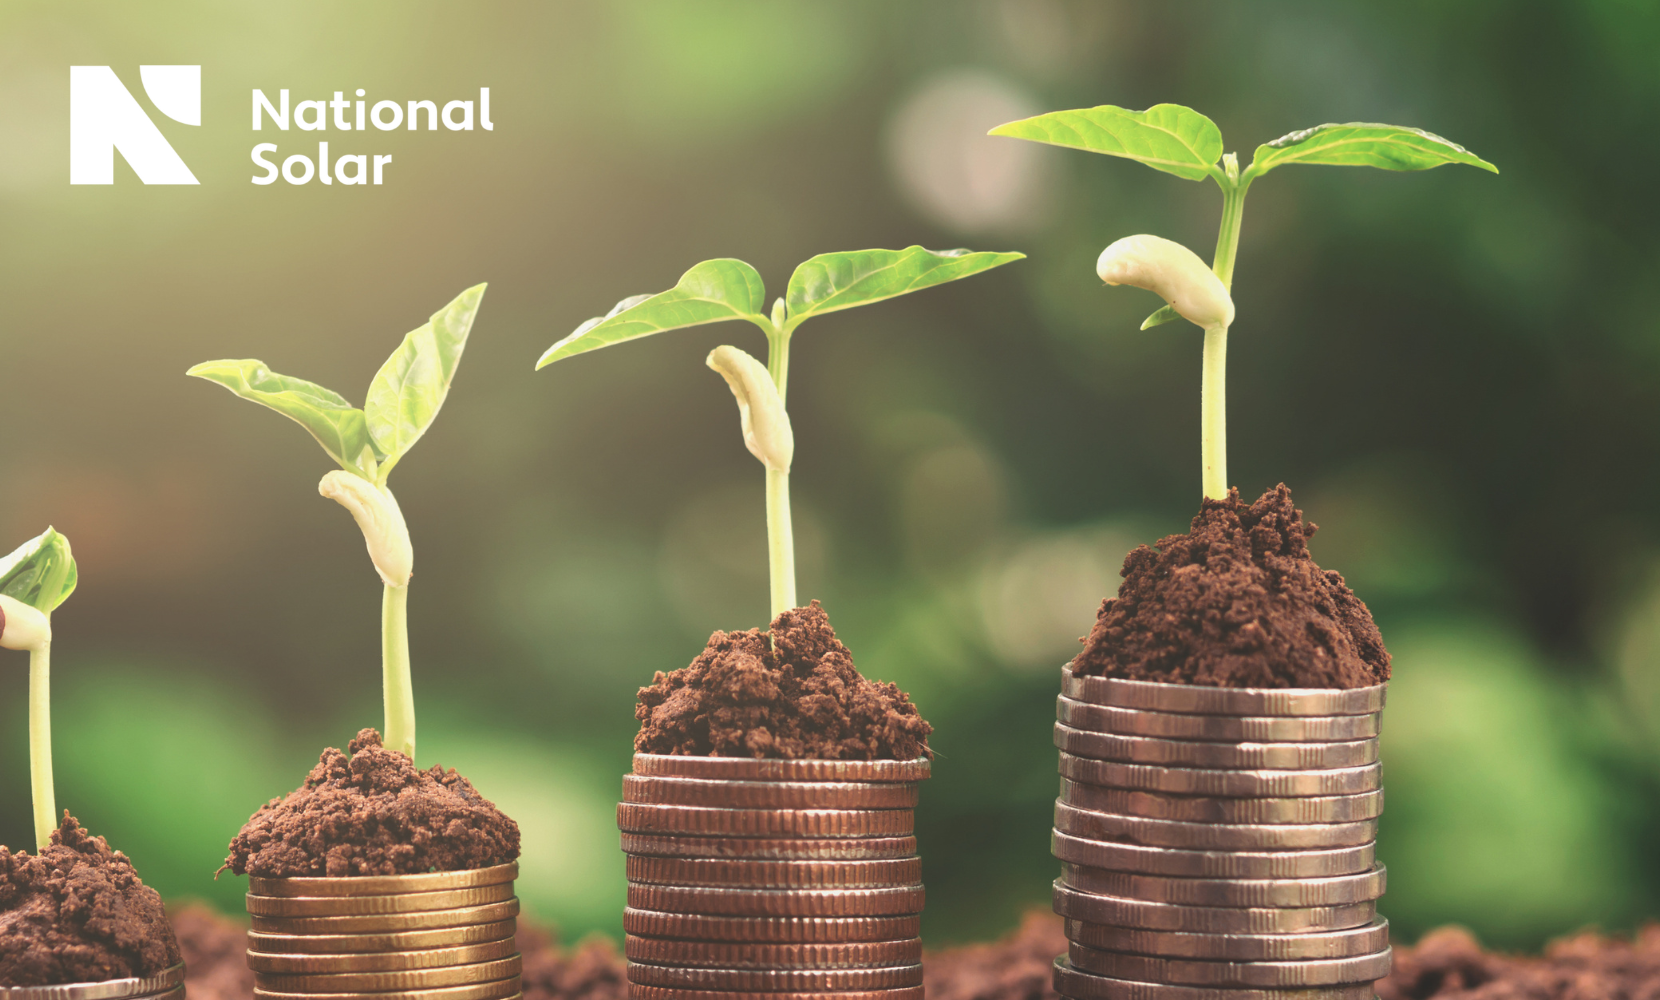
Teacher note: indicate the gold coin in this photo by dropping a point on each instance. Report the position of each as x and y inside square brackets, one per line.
[385, 961]
[821, 849]
[164, 981]
[767, 769]
[389, 923]
[1196, 699]
[751, 955]
[770, 980]
[341, 906]
[639, 817]
[652, 923]
[637, 991]
[384, 885]
[176, 993]
[770, 794]
[380, 982]
[774, 874]
[895, 901]
[342, 944]
[504, 989]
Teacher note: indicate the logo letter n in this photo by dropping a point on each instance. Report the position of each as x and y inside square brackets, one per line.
[104, 117]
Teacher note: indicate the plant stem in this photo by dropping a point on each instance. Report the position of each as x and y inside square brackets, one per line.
[780, 532]
[1213, 389]
[40, 744]
[398, 687]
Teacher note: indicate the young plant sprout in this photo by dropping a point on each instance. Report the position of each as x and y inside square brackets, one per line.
[726, 288]
[34, 580]
[1183, 142]
[368, 443]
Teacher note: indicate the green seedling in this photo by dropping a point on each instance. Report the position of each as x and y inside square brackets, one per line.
[368, 443]
[724, 289]
[34, 580]
[1183, 142]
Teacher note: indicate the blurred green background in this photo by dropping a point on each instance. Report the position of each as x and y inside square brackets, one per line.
[1456, 372]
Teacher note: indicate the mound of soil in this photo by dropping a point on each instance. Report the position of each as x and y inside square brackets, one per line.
[797, 697]
[1236, 602]
[1016, 967]
[1449, 964]
[215, 950]
[373, 813]
[77, 913]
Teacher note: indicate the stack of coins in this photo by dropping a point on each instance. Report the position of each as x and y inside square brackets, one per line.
[445, 935]
[165, 985]
[794, 878]
[1217, 844]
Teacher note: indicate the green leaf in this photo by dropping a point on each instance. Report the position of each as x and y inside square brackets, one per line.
[1160, 317]
[336, 424]
[833, 281]
[715, 290]
[1364, 144]
[40, 572]
[410, 387]
[1166, 137]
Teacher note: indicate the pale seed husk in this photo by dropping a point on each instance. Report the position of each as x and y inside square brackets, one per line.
[781, 849]
[633, 817]
[336, 944]
[1215, 728]
[894, 901]
[384, 885]
[389, 923]
[770, 794]
[773, 980]
[1258, 975]
[774, 874]
[748, 955]
[702, 927]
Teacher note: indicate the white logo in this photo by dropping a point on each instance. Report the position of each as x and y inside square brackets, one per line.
[104, 117]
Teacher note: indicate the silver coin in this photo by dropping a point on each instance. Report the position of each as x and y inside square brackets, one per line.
[1263, 975]
[1226, 756]
[1363, 940]
[1309, 810]
[1100, 825]
[1193, 699]
[1338, 891]
[1215, 728]
[1143, 915]
[1211, 864]
[164, 981]
[1222, 784]
[1076, 984]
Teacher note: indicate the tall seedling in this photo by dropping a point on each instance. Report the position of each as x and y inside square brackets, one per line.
[34, 580]
[724, 289]
[368, 443]
[1185, 143]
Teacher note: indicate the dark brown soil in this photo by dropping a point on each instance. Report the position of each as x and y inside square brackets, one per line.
[215, 954]
[374, 814]
[797, 697]
[1449, 964]
[77, 913]
[1016, 967]
[1236, 602]
[590, 971]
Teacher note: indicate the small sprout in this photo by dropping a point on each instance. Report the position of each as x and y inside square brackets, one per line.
[377, 514]
[766, 426]
[403, 400]
[724, 289]
[1173, 273]
[1183, 142]
[37, 577]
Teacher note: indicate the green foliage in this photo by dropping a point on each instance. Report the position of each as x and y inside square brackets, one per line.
[1160, 316]
[1166, 137]
[41, 572]
[1364, 144]
[834, 281]
[403, 398]
[710, 292]
[336, 424]
[410, 387]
